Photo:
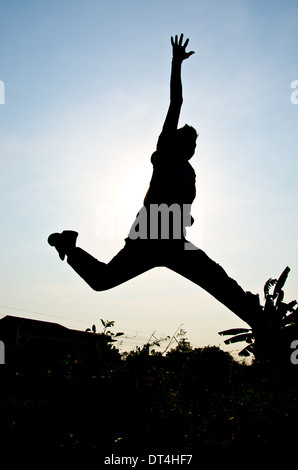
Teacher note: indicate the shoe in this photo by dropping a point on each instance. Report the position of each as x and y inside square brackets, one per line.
[63, 242]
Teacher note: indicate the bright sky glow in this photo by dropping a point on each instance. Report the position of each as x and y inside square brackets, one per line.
[86, 88]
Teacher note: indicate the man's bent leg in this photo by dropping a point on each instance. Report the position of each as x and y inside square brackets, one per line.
[196, 266]
[130, 262]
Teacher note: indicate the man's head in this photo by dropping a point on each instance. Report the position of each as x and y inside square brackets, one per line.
[186, 141]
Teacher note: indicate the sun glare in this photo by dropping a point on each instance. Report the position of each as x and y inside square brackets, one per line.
[132, 191]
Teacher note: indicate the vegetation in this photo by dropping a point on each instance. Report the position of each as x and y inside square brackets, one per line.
[276, 328]
[181, 401]
[175, 400]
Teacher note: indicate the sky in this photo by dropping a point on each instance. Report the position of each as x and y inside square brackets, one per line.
[84, 93]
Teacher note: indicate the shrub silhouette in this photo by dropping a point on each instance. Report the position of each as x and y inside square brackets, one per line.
[275, 328]
[187, 401]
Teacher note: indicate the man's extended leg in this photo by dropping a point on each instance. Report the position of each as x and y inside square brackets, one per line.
[196, 266]
[134, 259]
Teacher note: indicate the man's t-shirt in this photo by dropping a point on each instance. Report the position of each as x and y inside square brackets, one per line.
[173, 179]
[173, 184]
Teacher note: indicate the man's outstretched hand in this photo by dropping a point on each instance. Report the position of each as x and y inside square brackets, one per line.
[179, 51]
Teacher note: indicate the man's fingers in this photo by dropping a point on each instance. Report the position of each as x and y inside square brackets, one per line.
[175, 43]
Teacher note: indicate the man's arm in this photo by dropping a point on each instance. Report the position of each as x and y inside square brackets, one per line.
[176, 99]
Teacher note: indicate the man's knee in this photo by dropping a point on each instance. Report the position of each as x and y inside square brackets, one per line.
[103, 283]
[99, 285]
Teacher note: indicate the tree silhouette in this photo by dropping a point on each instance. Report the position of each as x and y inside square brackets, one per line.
[274, 329]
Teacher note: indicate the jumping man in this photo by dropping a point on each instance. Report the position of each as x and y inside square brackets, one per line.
[158, 235]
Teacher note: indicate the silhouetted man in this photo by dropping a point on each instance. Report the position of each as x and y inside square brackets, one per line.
[157, 237]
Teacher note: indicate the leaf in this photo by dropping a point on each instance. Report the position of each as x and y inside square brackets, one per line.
[292, 317]
[291, 305]
[269, 305]
[268, 284]
[236, 339]
[280, 297]
[281, 281]
[246, 351]
[94, 328]
[287, 312]
[119, 334]
[282, 309]
[234, 331]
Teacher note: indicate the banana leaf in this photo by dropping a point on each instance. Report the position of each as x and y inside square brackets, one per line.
[281, 281]
[234, 331]
[248, 337]
[246, 351]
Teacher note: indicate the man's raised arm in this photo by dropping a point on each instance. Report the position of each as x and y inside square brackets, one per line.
[176, 99]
